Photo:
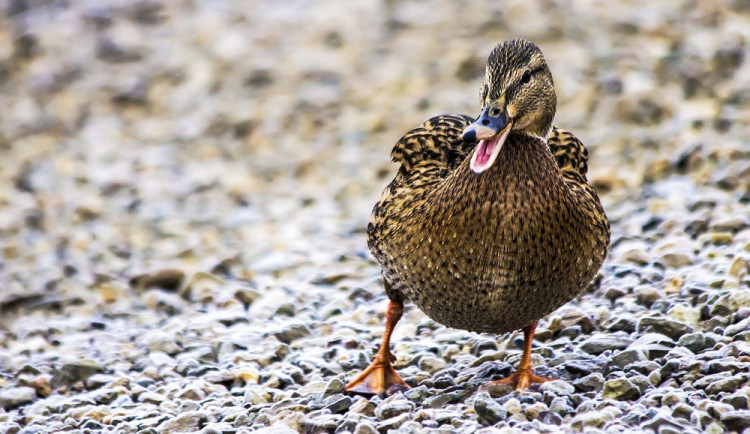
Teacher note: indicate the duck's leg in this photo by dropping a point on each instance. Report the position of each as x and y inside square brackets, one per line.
[524, 377]
[380, 375]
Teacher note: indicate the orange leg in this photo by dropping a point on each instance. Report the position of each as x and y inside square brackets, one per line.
[380, 375]
[524, 377]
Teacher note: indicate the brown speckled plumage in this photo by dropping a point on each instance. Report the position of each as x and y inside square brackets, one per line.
[489, 225]
[489, 252]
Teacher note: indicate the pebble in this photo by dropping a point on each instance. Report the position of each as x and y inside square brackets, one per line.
[736, 420]
[364, 407]
[185, 422]
[600, 343]
[676, 259]
[647, 295]
[393, 406]
[666, 326]
[73, 372]
[167, 279]
[489, 411]
[431, 364]
[13, 397]
[592, 382]
[393, 423]
[685, 314]
[558, 388]
[512, 406]
[626, 357]
[620, 389]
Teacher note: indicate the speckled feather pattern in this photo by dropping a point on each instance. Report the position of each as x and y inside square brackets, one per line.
[490, 252]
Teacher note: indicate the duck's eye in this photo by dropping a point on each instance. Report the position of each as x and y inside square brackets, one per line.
[526, 77]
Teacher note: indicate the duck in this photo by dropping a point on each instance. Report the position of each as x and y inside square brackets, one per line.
[490, 223]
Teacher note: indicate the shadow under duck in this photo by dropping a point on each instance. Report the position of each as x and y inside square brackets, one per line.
[490, 224]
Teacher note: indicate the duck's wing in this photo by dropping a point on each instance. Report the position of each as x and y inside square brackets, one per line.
[435, 147]
[427, 154]
[571, 156]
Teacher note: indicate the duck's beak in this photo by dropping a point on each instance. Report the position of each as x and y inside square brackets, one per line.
[491, 131]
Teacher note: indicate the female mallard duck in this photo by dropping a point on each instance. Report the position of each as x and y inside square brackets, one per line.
[488, 236]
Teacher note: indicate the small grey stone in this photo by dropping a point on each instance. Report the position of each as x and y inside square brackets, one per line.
[594, 419]
[488, 410]
[431, 364]
[600, 343]
[151, 398]
[654, 345]
[532, 410]
[737, 400]
[246, 296]
[664, 325]
[439, 401]
[716, 409]
[683, 411]
[641, 382]
[321, 423]
[622, 324]
[364, 427]
[392, 423]
[646, 294]
[99, 380]
[13, 397]
[274, 430]
[626, 357]
[676, 259]
[512, 406]
[661, 423]
[558, 387]
[364, 407]
[339, 404]
[737, 420]
[333, 387]
[696, 342]
[644, 367]
[417, 394]
[549, 418]
[590, 383]
[446, 416]
[105, 396]
[726, 385]
[73, 372]
[679, 352]
[167, 279]
[292, 333]
[561, 406]
[191, 421]
[740, 327]
[393, 406]
[620, 389]
[255, 395]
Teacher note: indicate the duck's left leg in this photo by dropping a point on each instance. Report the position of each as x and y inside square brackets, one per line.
[524, 376]
[380, 375]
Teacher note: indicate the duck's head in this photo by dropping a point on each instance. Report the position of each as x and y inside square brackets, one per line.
[517, 94]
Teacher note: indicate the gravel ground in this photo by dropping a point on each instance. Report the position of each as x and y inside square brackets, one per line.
[184, 188]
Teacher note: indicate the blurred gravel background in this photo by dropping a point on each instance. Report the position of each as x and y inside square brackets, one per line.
[184, 187]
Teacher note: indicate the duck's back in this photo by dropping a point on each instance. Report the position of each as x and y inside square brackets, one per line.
[488, 252]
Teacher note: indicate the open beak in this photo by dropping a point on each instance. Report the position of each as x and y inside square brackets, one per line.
[491, 131]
